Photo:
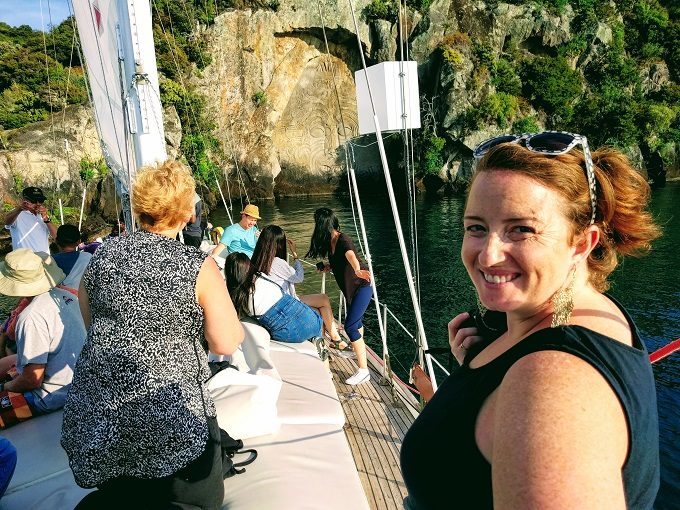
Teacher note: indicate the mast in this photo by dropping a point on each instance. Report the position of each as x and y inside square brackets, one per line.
[120, 59]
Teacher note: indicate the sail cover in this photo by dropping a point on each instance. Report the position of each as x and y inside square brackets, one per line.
[118, 49]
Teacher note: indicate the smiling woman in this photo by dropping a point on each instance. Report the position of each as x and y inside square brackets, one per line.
[560, 410]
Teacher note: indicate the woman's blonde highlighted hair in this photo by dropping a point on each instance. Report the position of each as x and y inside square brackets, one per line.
[163, 195]
[626, 225]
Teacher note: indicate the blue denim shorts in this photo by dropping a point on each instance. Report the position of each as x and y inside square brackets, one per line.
[290, 320]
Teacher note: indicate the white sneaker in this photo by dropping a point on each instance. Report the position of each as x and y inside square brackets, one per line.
[362, 375]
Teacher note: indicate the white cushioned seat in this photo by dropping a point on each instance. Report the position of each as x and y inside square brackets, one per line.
[303, 467]
[307, 394]
[246, 403]
[42, 477]
[303, 347]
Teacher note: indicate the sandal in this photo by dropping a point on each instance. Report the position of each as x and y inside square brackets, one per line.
[343, 352]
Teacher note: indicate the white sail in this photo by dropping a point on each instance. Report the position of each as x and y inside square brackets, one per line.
[117, 41]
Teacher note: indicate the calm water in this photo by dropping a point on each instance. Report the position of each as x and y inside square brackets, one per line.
[648, 287]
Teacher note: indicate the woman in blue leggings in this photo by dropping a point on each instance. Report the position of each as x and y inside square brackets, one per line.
[353, 278]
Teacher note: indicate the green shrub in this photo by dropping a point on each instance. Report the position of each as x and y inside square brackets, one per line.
[525, 125]
[550, 84]
[483, 55]
[90, 169]
[453, 57]
[259, 98]
[500, 108]
[433, 159]
[381, 9]
[505, 78]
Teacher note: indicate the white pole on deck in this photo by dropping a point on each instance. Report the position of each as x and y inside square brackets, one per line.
[82, 208]
[61, 212]
[224, 201]
[393, 204]
[355, 190]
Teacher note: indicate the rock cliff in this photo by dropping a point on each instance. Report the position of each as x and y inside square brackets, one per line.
[280, 89]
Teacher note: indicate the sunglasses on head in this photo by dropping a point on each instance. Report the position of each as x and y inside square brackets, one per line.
[550, 143]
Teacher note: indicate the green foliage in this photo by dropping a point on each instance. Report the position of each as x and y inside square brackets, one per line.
[61, 39]
[483, 55]
[197, 148]
[252, 4]
[550, 84]
[96, 169]
[453, 57]
[19, 106]
[505, 79]
[419, 5]
[433, 157]
[498, 108]
[646, 23]
[381, 9]
[33, 84]
[525, 125]
[452, 48]
[17, 182]
[259, 98]
[672, 48]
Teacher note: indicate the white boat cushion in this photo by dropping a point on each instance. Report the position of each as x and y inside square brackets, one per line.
[253, 355]
[246, 403]
[59, 491]
[303, 467]
[303, 347]
[307, 395]
[42, 477]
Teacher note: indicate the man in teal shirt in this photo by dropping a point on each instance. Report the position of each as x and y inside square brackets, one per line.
[241, 236]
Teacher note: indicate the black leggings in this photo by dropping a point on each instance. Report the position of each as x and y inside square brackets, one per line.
[196, 486]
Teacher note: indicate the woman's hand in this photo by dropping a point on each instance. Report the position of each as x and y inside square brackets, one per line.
[291, 247]
[364, 274]
[461, 339]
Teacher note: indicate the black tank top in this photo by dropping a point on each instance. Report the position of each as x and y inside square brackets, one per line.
[441, 464]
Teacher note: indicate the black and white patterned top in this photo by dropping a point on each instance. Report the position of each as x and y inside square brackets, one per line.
[139, 401]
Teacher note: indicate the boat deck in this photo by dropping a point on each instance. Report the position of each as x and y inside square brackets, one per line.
[374, 428]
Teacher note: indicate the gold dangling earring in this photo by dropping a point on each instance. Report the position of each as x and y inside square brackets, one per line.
[563, 303]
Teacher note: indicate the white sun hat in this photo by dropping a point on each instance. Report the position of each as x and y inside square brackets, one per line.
[25, 273]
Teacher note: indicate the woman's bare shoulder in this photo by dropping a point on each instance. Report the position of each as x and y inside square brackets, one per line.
[560, 435]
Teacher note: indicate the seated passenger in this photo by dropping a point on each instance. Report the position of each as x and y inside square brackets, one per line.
[274, 264]
[50, 332]
[8, 339]
[241, 236]
[286, 318]
[71, 261]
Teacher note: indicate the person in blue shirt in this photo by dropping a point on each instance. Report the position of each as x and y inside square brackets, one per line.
[242, 236]
[8, 461]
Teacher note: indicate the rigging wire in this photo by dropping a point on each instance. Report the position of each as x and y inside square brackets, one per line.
[239, 176]
[352, 162]
[68, 83]
[346, 139]
[194, 22]
[49, 89]
[393, 205]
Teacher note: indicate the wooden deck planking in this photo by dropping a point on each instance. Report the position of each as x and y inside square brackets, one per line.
[368, 452]
[374, 430]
